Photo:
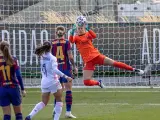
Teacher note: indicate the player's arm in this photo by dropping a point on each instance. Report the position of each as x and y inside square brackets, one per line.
[71, 34]
[58, 72]
[92, 34]
[70, 56]
[19, 77]
[71, 59]
[71, 39]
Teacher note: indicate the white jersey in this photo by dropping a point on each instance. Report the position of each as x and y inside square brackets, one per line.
[49, 70]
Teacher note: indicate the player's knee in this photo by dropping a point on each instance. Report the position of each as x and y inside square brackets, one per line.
[68, 89]
[19, 116]
[86, 82]
[85, 77]
[7, 117]
[58, 99]
[43, 104]
[68, 86]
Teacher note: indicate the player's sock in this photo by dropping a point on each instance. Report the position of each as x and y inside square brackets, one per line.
[58, 110]
[54, 102]
[122, 65]
[54, 106]
[19, 116]
[37, 108]
[68, 100]
[90, 82]
[7, 117]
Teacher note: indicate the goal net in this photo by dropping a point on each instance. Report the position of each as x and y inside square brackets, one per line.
[126, 31]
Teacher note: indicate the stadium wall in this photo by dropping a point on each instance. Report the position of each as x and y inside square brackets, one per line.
[136, 44]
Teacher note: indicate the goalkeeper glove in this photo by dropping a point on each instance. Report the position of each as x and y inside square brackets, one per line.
[73, 29]
[87, 27]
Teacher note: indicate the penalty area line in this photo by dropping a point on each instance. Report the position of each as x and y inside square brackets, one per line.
[101, 104]
[102, 91]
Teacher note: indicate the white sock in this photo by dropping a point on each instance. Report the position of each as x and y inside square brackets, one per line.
[37, 108]
[68, 112]
[58, 110]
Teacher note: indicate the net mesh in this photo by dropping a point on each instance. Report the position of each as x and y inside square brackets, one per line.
[127, 31]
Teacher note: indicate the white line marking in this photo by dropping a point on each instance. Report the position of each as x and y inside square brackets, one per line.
[102, 91]
[101, 104]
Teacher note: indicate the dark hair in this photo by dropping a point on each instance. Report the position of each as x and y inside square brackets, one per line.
[4, 47]
[60, 31]
[46, 47]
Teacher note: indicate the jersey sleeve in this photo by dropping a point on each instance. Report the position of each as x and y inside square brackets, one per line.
[68, 46]
[92, 34]
[55, 67]
[18, 73]
[72, 39]
[16, 63]
[89, 36]
[52, 50]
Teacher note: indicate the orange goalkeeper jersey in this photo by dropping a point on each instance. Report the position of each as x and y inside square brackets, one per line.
[85, 46]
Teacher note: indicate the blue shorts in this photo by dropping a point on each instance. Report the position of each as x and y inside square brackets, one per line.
[66, 72]
[10, 96]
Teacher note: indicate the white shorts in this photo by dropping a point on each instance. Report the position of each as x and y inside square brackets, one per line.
[52, 89]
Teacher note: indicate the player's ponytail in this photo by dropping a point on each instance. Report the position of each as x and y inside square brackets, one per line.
[4, 47]
[46, 47]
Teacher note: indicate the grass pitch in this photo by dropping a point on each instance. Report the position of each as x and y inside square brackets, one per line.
[101, 104]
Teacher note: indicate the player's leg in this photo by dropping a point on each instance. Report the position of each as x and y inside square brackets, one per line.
[15, 96]
[59, 103]
[63, 88]
[68, 97]
[88, 81]
[5, 103]
[88, 72]
[87, 77]
[108, 61]
[18, 112]
[6, 112]
[39, 106]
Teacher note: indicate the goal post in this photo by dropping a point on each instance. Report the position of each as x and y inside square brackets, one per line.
[136, 43]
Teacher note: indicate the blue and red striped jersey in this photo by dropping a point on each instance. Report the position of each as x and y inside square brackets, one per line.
[8, 73]
[60, 49]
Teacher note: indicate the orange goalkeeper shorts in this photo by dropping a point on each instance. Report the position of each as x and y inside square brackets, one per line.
[90, 65]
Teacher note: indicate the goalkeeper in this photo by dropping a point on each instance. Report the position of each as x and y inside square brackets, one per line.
[90, 55]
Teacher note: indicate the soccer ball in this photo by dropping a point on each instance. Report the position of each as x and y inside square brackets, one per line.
[81, 20]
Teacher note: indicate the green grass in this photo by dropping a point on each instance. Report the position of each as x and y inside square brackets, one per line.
[99, 104]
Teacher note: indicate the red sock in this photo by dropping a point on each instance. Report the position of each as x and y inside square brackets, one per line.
[89, 82]
[122, 65]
